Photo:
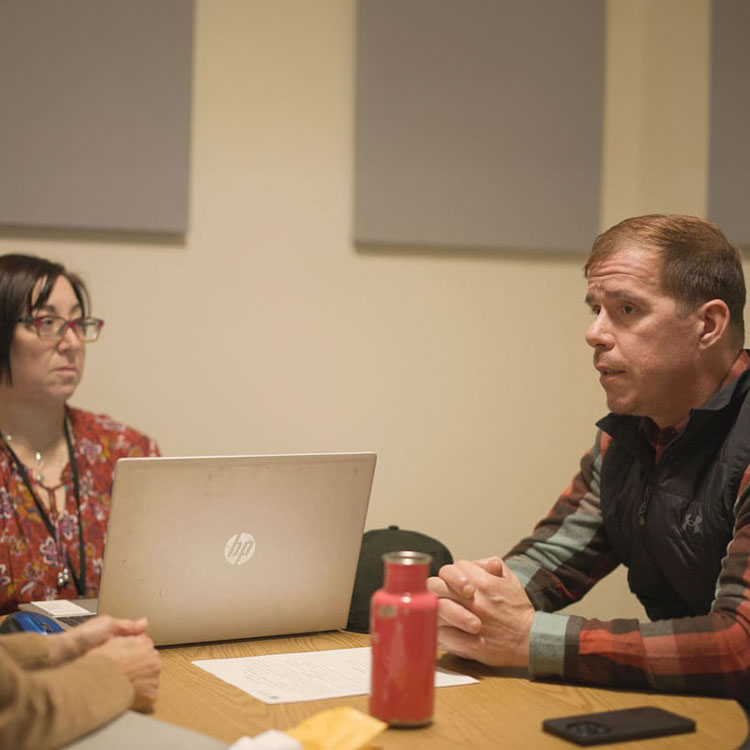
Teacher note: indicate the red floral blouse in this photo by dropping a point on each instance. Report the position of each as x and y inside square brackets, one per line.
[29, 557]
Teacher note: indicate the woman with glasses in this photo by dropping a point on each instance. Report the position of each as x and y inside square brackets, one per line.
[56, 462]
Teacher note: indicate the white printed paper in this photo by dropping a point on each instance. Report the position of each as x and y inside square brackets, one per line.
[271, 739]
[62, 608]
[307, 676]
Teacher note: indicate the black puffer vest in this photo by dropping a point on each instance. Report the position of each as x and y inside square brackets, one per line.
[671, 521]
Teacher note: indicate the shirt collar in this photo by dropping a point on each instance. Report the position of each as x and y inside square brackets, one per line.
[659, 438]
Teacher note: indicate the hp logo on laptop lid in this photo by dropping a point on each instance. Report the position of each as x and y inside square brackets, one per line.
[239, 548]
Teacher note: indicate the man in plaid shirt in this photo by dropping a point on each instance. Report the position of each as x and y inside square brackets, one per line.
[665, 490]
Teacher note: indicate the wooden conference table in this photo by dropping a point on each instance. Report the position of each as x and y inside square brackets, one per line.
[504, 710]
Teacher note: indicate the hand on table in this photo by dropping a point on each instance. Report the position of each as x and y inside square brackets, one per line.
[483, 613]
[139, 661]
[82, 638]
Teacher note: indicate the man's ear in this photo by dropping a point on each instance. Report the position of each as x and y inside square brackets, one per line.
[714, 319]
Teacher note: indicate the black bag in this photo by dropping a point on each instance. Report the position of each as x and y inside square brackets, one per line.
[369, 578]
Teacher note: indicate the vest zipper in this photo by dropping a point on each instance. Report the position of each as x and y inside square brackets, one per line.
[642, 514]
[643, 507]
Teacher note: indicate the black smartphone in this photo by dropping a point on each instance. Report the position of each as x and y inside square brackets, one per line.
[618, 726]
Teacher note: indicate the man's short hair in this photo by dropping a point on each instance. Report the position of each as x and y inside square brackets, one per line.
[19, 278]
[698, 263]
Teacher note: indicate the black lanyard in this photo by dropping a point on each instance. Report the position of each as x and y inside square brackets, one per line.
[79, 581]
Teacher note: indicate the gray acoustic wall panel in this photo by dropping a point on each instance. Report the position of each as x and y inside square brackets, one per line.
[95, 113]
[729, 154]
[479, 122]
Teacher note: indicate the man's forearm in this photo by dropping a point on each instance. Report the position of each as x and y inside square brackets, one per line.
[569, 550]
[708, 655]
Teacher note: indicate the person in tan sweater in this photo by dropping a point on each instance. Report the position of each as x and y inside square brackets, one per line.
[56, 688]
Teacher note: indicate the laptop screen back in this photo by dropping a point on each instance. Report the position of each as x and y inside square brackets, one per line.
[235, 547]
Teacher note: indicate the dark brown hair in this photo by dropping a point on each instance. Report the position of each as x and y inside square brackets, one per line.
[698, 263]
[19, 277]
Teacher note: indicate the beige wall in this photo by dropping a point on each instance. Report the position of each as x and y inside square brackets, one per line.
[656, 108]
[267, 331]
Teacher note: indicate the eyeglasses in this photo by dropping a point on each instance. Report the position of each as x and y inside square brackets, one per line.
[50, 327]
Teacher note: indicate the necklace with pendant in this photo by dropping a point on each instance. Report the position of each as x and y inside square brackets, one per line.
[38, 473]
[64, 574]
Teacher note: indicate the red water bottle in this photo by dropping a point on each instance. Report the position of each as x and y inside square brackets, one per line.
[403, 624]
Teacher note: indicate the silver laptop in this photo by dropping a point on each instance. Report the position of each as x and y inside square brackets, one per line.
[234, 547]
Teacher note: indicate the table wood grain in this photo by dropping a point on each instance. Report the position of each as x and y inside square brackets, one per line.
[504, 710]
